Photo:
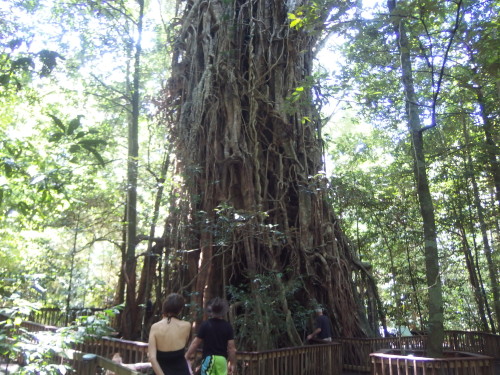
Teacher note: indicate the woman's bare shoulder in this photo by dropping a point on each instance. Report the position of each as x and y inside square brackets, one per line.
[156, 325]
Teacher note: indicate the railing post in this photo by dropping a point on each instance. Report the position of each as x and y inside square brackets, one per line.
[89, 362]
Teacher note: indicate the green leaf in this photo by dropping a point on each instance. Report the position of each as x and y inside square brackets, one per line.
[92, 142]
[96, 155]
[4, 79]
[296, 22]
[23, 63]
[55, 137]
[8, 166]
[49, 61]
[74, 124]
[80, 135]
[74, 149]
[58, 122]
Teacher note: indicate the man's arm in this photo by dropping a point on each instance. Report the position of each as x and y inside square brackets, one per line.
[192, 348]
[231, 356]
[315, 332]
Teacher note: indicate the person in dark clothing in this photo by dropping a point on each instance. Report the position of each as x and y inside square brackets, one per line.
[217, 337]
[323, 331]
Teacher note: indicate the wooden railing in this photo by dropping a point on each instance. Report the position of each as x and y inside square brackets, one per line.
[347, 353]
[36, 327]
[54, 316]
[473, 342]
[452, 363]
[356, 352]
[130, 351]
[303, 360]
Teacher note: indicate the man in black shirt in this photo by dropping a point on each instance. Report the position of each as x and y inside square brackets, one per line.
[323, 331]
[217, 337]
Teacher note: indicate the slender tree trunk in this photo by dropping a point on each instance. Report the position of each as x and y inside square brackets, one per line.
[469, 261]
[435, 298]
[130, 329]
[414, 285]
[476, 256]
[119, 297]
[153, 253]
[468, 256]
[71, 270]
[484, 231]
[491, 147]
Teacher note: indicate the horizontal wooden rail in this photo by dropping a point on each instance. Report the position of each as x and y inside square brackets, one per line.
[452, 363]
[55, 316]
[354, 354]
[304, 360]
[473, 342]
[130, 351]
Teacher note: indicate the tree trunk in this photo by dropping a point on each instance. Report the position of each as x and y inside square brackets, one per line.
[484, 231]
[471, 223]
[413, 283]
[248, 144]
[492, 154]
[130, 328]
[119, 297]
[154, 250]
[491, 147]
[435, 298]
[473, 278]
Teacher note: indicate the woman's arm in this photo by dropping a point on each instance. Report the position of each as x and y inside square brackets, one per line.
[152, 353]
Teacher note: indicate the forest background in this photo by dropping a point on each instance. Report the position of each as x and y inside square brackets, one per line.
[85, 142]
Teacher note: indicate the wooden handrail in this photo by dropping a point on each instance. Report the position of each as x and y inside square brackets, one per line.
[357, 350]
[304, 360]
[457, 363]
[354, 353]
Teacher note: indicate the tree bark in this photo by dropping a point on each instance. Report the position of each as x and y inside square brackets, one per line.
[251, 157]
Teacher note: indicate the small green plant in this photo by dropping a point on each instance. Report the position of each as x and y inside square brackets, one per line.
[271, 287]
[306, 17]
